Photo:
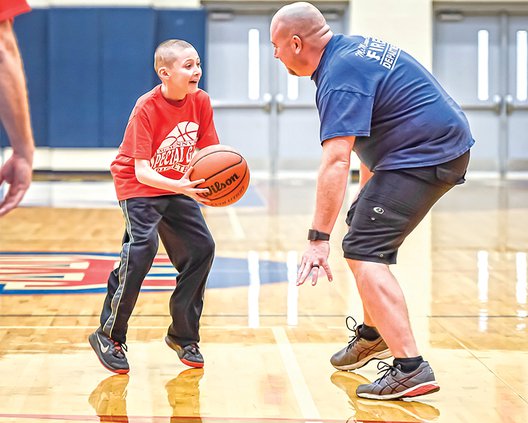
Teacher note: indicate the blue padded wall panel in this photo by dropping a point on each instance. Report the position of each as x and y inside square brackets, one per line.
[87, 66]
[127, 67]
[74, 77]
[188, 25]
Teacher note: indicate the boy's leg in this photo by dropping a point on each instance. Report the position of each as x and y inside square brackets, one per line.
[140, 245]
[190, 247]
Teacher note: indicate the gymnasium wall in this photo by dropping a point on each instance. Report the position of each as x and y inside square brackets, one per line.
[86, 66]
[86, 60]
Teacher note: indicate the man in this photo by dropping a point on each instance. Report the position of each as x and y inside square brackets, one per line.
[14, 109]
[413, 142]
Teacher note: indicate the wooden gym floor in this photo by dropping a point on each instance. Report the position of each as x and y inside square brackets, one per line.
[266, 344]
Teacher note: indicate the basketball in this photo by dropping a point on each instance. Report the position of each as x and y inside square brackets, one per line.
[225, 171]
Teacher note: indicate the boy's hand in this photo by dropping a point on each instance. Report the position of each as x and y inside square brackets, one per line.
[148, 176]
[187, 187]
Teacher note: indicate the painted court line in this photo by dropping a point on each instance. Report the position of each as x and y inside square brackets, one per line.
[300, 388]
[238, 230]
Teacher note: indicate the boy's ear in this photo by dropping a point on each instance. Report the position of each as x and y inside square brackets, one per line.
[163, 73]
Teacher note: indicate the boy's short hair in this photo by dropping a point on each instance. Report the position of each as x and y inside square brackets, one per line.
[167, 52]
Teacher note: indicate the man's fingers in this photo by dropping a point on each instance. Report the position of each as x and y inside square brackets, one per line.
[307, 267]
[11, 200]
[315, 274]
[302, 273]
[328, 271]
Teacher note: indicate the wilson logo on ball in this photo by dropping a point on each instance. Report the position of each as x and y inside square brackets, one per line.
[220, 186]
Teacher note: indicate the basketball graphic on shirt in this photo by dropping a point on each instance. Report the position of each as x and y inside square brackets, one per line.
[189, 131]
[176, 150]
[181, 134]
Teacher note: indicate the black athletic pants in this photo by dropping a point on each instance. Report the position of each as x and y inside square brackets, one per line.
[189, 244]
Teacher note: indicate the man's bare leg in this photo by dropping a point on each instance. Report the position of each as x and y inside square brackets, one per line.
[385, 306]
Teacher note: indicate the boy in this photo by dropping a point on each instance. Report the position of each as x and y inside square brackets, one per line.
[151, 178]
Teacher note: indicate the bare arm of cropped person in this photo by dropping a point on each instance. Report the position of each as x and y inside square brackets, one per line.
[14, 115]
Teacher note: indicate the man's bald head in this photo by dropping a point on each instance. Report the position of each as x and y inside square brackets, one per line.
[299, 33]
[300, 18]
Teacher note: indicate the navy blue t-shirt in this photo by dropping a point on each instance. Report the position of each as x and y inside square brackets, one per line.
[399, 113]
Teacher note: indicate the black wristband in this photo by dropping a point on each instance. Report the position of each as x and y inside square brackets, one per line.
[314, 235]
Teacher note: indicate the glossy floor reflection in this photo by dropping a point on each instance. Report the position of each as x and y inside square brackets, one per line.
[266, 343]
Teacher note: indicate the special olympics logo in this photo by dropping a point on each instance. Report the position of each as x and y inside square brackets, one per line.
[177, 149]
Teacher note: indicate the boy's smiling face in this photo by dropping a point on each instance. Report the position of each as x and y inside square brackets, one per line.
[181, 77]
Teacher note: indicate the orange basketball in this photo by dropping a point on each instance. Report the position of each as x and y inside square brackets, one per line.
[225, 171]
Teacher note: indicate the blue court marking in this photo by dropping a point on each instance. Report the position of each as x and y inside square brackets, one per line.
[20, 277]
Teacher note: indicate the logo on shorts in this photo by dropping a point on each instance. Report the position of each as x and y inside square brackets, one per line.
[378, 210]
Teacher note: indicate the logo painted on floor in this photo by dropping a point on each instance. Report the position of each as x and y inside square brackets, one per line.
[87, 273]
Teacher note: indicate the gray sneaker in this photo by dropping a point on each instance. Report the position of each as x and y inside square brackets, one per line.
[189, 355]
[397, 384]
[359, 351]
[110, 353]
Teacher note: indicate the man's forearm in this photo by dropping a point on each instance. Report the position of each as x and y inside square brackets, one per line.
[14, 108]
[331, 187]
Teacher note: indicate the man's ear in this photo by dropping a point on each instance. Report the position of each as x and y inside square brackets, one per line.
[296, 44]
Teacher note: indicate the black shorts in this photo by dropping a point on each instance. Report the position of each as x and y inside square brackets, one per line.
[392, 203]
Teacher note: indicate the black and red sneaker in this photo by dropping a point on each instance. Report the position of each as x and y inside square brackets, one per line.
[111, 353]
[189, 354]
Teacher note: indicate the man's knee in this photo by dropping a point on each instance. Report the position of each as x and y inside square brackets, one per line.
[363, 270]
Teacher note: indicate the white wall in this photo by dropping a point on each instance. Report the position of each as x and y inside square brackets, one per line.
[405, 23]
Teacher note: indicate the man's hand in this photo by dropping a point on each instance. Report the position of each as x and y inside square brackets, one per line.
[17, 172]
[315, 257]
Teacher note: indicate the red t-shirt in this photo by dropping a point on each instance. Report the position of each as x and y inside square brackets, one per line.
[165, 133]
[11, 8]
